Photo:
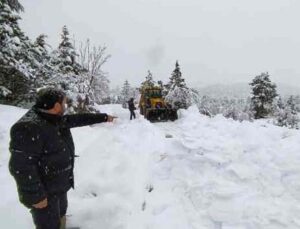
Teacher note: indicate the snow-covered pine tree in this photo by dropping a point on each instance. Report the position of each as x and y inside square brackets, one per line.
[125, 94]
[149, 82]
[69, 75]
[263, 95]
[280, 103]
[66, 55]
[11, 35]
[291, 102]
[163, 88]
[14, 5]
[292, 113]
[280, 112]
[40, 41]
[286, 114]
[176, 79]
[17, 62]
[42, 54]
[297, 101]
[178, 94]
[160, 84]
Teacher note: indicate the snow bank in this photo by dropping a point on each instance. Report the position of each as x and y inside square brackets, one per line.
[211, 174]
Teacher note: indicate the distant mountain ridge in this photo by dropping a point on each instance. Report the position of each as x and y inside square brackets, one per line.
[242, 90]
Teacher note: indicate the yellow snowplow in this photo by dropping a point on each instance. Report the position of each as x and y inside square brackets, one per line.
[153, 106]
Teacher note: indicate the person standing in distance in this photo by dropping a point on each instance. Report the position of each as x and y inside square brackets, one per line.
[131, 108]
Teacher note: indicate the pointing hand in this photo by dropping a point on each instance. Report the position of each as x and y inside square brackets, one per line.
[111, 118]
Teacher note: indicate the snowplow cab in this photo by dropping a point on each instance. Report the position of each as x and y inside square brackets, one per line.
[153, 106]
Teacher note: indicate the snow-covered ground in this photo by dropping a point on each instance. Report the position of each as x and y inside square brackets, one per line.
[195, 173]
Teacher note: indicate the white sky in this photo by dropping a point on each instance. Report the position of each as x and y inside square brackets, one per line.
[215, 41]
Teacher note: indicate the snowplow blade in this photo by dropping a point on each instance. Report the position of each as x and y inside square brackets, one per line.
[161, 115]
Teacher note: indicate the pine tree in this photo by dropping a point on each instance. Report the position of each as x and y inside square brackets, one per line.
[41, 41]
[125, 94]
[263, 94]
[11, 36]
[176, 79]
[17, 62]
[297, 101]
[164, 91]
[178, 94]
[291, 103]
[68, 75]
[287, 114]
[14, 5]
[46, 70]
[149, 82]
[292, 114]
[280, 104]
[66, 56]
[160, 84]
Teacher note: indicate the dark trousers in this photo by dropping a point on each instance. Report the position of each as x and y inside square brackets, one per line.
[49, 217]
[132, 114]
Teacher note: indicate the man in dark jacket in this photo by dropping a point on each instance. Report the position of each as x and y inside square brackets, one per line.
[131, 108]
[42, 156]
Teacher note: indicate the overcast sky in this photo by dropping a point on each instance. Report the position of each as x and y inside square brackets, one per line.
[215, 41]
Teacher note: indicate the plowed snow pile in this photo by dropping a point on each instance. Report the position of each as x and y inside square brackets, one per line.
[195, 173]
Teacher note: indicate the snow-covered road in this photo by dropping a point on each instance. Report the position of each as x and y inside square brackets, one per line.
[195, 173]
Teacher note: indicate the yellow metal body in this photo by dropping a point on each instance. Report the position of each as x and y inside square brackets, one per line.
[153, 106]
[151, 97]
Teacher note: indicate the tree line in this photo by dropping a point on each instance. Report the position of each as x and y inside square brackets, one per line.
[263, 103]
[26, 65]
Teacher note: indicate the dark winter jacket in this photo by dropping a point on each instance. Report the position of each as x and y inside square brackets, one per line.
[42, 153]
[131, 106]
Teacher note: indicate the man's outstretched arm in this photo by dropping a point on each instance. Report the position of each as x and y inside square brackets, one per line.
[77, 120]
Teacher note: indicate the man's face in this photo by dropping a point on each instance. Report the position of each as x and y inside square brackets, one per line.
[63, 106]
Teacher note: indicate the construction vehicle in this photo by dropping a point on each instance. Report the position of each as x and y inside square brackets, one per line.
[153, 106]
